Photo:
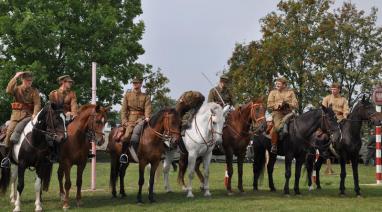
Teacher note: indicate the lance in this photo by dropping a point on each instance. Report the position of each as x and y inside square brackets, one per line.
[220, 97]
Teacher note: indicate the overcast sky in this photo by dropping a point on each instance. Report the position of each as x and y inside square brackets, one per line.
[187, 37]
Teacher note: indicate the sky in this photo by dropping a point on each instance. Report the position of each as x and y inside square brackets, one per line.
[185, 38]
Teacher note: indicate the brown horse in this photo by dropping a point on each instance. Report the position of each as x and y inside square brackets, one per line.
[236, 136]
[163, 125]
[87, 127]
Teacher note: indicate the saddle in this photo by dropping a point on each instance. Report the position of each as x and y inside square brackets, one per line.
[137, 132]
[3, 132]
[15, 137]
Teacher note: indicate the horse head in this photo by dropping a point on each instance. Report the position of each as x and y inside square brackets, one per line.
[96, 123]
[365, 110]
[166, 125]
[329, 123]
[257, 115]
[216, 122]
[51, 122]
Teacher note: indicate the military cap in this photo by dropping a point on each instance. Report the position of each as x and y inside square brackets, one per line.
[27, 75]
[64, 78]
[224, 77]
[282, 80]
[335, 85]
[137, 79]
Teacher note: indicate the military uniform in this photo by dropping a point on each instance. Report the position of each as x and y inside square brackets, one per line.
[26, 103]
[135, 107]
[187, 106]
[66, 97]
[225, 94]
[339, 105]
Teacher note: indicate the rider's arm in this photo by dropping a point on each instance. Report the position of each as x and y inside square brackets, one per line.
[36, 102]
[271, 103]
[124, 110]
[294, 102]
[73, 104]
[148, 108]
[345, 109]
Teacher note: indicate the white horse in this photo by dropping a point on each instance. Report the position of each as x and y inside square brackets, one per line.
[199, 139]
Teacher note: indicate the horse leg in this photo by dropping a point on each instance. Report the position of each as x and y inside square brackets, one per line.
[318, 168]
[270, 168]
[354, 165]
[229, 156]
[13, 194]
[20, 187]
[80, 171]
[113, 175]
[166, 169]
[68, 184]
[37, 188]
[191, 170]
[141, 181]
[288, 166]
[342, 175]
[122, 173]
[206, 165]
[240, 160]
[199, 174]
[297, 175]
[60, 176]
[154, 167]
[310, 169]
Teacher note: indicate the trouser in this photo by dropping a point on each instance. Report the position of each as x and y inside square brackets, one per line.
[10, 129]
[279, 120]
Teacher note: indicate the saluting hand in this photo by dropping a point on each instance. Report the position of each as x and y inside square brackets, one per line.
[18, 74]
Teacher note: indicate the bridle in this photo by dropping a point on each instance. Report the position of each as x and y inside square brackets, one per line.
[51, 128]
[91, 131]
[168, 133]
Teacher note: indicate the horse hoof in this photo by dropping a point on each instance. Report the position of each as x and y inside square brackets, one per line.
[139, 202]
[79, 204]
[38, 209]
[207, 194]
[184, 188]
[17, 209]
[272, 190]
[62, 196]
[201, 188]
[65, 207]
[287, 195]
[310, 188]
[152, 201]
[190, 195]
[123, 195]
[169, 191]
[359, 196]
[230, 193]
[13, 201]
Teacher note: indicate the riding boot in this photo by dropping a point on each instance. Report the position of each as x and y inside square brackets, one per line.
[124, 158]
[6, 162]
[274, 140]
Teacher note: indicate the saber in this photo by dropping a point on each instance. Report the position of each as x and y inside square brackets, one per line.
[221, 99]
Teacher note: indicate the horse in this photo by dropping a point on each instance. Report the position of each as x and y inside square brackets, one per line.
[87, 127]
[347, 148]
[199, 141]
[33, 150]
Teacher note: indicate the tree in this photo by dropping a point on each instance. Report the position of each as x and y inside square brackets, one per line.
[52, 38]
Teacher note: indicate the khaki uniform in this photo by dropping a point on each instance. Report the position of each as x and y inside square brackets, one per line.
[339, 105]
[275, 99]
[135, 107]
[26, 103]
[67, 98]
[213, 96]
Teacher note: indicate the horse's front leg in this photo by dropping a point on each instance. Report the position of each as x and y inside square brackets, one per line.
[141, 181]
[122, 173]
[354, 165]
[229, 167]
[20, 187]
[270, 168]
[240, 161]
[288, 167]
[342, 175]
[13, 194]
[68, 184]
[166, 169]
[297, 175]
[37, 189]
[154, 167]
[191, 170]
[80, 171]
[310, 169]
[60, 176]
[206, 164]
[318, 165]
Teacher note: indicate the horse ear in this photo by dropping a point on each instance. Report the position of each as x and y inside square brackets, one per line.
[97, 109]
[363, 98]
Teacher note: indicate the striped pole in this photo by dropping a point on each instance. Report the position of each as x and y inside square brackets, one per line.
[94, 151]
[378, 164]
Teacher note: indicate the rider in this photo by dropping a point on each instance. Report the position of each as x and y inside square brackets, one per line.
[223, 91]
[27, 103]
[187, 106]
[63, 95]
[136, 106]
[339, 104]
[277, 97]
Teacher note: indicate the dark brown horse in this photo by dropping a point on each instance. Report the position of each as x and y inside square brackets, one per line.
[163, 125]
[87, 127]
[236, 136]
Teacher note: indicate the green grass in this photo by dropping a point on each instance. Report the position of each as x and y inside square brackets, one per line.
[263, 200]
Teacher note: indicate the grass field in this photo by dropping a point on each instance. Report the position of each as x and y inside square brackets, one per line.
[263, 200]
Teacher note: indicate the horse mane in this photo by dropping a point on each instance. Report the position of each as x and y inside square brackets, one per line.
[158, 115]
[85, 107]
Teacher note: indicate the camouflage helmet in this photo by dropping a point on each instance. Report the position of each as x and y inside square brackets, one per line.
[27, 75]
[64, 78]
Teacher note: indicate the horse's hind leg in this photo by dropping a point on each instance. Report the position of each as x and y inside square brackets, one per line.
[141, 181]
[318, 165]
[60, 176]
[342, 175]
[199, 173]
[13, 195]
[354, 165]
[310, 169]
[206, 164]
[80, 171]
[297, 175]
[166, 169]
[229, 159]
[288, 167]
[20, 187]
[240, 160]
[68, 184]
[191, 170]
[122, 173]
[37, 189]
[113, 175]
[270, 168]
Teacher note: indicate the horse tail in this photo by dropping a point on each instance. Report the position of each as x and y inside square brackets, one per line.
[183, 161]
[45, 174]
[260, 157]
[5, 179]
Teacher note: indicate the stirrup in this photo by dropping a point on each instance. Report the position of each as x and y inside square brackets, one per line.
[123, 159]
[5, 163]
[274, 149]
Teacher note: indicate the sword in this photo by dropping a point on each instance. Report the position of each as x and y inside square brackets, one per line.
[221, 99]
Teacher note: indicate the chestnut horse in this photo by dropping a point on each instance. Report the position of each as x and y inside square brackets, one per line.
[236, 137]
[87, 127]
[163, 125]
